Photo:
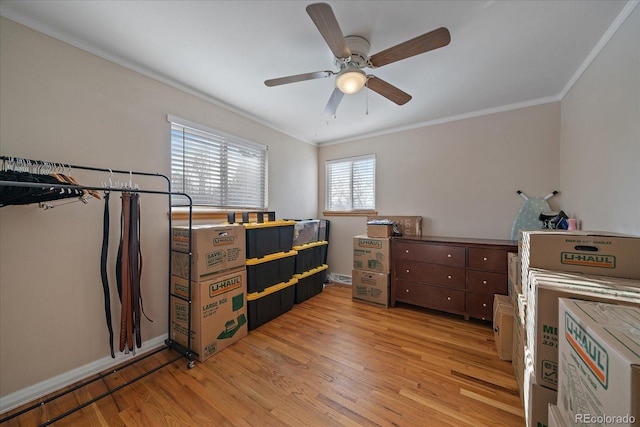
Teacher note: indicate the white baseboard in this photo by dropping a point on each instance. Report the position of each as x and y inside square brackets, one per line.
[58, 382]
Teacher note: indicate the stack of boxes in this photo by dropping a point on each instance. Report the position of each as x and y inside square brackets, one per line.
[270, 269]
[581, 266]
[370, 277]
[217, 290]
[372, 265]
[311, 244]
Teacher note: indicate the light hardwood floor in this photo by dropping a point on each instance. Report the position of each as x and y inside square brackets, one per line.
[330, 361]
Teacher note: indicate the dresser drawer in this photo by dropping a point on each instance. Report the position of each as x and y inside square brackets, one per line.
[480, 306]
[450, 300]
[454, 256]
[431, 274]
[486, 282]
[488, 259]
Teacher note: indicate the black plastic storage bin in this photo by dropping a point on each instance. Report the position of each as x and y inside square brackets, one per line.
[269, 238]
[310, 283]
[323, 235]
[305, 231]
[270, 270]
[274, 301]
[310, 255]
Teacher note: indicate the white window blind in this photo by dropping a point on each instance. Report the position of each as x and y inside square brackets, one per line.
[217, 169]
[350, 184]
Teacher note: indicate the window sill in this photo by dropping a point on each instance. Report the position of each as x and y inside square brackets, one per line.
[350, 213]
[204, 213]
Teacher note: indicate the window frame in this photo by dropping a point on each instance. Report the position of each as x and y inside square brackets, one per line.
[329, 209]
[221, 140]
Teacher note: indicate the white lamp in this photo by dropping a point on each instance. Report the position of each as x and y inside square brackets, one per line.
[351, 80]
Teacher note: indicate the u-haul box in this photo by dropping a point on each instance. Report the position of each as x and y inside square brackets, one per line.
[372, 254]
[214, 248]
[542, 320]
[587, 252]
[599, 381]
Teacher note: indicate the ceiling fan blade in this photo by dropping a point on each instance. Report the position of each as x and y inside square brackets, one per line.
[387, 90]
[298, 78]
[421, 44]
[334, 101]
[322, 15]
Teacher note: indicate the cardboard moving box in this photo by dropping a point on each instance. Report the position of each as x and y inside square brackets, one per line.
[370, 286]
[588, 252]
[218, 312]
[513, 261]
[519, 358]
[555, 417]
[503, 326]
[214, 248]
[410, 226]
[372, 254]
[379, 230]
[542, 320]
[537, 404]
[599, 363]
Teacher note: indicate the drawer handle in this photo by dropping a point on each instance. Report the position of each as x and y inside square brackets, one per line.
[406, 290]
[484, 282]
[484, 304]
[406, 251]
[449, 276]
[448, 255]
[448, 298]
[408, 270]
[484, 259]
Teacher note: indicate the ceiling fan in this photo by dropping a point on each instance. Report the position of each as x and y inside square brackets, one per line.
[352, 55]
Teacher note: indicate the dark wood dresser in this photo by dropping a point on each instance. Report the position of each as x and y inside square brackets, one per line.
[450, 274]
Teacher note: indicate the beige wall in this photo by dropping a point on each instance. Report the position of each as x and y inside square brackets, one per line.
[62, 104]
[461, 176]
[600, 143]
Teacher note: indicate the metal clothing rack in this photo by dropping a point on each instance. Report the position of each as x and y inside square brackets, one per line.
[183, 351]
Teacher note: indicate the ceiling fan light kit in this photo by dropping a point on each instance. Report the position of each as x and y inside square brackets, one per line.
[352, 55]
[350, 81]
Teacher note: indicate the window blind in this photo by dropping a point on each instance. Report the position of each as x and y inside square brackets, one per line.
[217, 169]
[350, 183]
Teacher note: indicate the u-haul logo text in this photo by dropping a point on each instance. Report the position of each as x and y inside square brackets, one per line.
[223, 286]
[220, 241]
[368, 280]
[370, 243]
[586, 260]
[588, 349]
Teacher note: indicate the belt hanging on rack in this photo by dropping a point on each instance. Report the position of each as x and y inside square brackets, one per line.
[128, 271]
[103, 271]
[135, 262]
[126, 339]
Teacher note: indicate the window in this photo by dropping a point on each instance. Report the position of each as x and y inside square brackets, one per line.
[350, 184]
[217, 169]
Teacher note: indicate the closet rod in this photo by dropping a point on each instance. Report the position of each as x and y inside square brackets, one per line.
[84, 187]
[90, 168]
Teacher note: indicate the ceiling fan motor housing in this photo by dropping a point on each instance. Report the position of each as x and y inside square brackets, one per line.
[359, 47]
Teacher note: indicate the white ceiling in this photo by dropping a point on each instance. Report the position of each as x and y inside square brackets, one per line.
[503, 54]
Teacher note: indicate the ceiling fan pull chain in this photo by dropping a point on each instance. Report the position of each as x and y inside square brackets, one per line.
[366, 113]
